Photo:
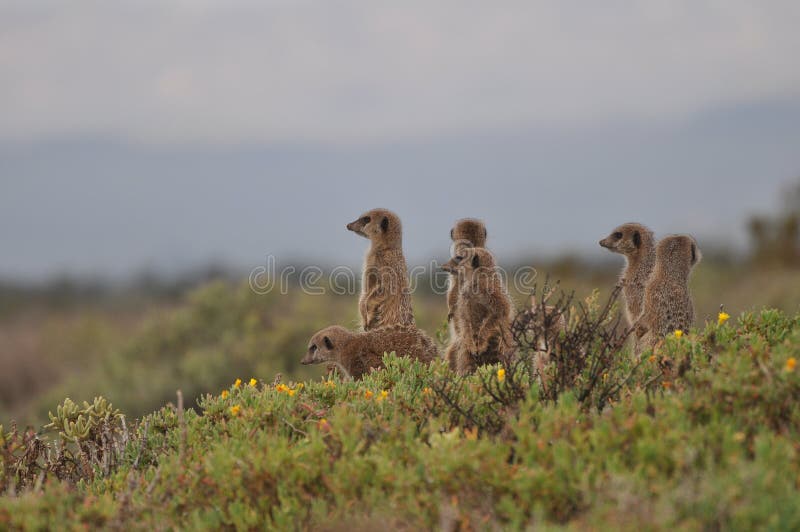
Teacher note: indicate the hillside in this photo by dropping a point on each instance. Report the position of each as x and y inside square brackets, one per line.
[701, 434]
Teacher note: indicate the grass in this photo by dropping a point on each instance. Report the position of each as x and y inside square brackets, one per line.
[710, 447]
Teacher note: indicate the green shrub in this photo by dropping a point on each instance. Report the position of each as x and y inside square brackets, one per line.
[712, 447]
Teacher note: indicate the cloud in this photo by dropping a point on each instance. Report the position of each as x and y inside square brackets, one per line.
[359, 71]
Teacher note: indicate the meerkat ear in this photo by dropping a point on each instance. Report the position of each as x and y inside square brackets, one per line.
[485, 234]
[328, 343]
[385, 224]
[637, 239]
[451, 234]
[476, 261]
[694, 254]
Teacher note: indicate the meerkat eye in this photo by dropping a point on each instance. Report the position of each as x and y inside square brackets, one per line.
[366, 219]
[617, 235]
[328, 343]
[459, 258]
[312, 347]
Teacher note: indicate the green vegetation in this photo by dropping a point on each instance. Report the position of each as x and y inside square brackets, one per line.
[702, 434]
[137, 354]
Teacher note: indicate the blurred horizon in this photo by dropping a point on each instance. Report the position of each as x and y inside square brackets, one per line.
[238, 130]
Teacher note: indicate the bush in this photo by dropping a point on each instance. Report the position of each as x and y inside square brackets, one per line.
[711, 447]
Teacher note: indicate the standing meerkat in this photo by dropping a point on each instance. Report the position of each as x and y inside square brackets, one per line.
[667, 302]
[357, 353]
[385, 298]
[637, 244]
[466, 233]
[483, 313]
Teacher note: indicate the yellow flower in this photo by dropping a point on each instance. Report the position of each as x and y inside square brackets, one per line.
[291, 392]
[330, 384]
[471, 434]
[368, 394]
[235, 409]
[652, 358]
[253, 382]
[224, 394]
[605, 376]
[678, 333]
[384, 394]
[237, 383]
[791, 364]
[501, 374]
[426, 391]
[666, 384]
[281, 388]
[723, 317]
[323, 425]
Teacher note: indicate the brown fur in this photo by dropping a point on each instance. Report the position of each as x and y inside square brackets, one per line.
[483, 313]
[385, 297]
[637, 244]
[355, 354]
[549, 324]
[466, 233]
[667, 302]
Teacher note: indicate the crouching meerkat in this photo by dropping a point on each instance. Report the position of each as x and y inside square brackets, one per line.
[355, 354]
[483, 313]
[551, 322]
[466, 233]
[385, 298]
[637, 244]
[667, 302]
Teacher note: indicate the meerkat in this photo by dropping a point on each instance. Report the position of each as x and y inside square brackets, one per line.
[637, 244]
[355, 354]
[548, 324]
[667, 301]
[551, 323]
[385, 298]
[483, 313]
[466, 233]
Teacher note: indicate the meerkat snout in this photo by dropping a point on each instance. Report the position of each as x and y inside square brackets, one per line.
[358, 226]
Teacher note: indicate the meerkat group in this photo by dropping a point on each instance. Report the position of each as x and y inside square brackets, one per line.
[480, 311]
[655, 281]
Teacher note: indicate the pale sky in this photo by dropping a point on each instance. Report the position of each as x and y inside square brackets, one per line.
[170, 133]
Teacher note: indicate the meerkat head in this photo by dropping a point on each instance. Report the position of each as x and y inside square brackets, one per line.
[380, 226]
[325, 346]
[628, 239]
[678, 253]
[470, 261]
[468, 232]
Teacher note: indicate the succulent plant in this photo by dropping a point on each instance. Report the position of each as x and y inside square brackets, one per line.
[77, 424]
